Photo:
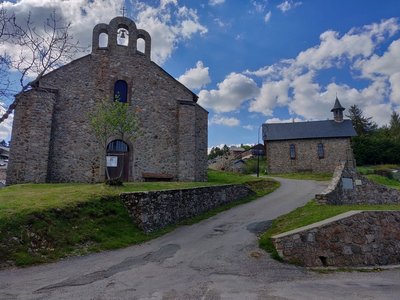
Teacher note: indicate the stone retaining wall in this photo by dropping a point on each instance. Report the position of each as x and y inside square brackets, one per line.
[157, 209]
[349, 187]
[356, 238]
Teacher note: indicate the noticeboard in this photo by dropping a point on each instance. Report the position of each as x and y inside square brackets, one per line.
[112, 161]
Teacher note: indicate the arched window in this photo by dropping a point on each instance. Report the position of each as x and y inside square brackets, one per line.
[292, 151]
[320, 151]
[121, 91]
[103, 40]
[117, 146]
[141, 44]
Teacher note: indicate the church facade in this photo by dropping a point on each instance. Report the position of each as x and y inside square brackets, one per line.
[315, 146]
[52, 140]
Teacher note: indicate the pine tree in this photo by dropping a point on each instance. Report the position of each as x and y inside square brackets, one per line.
[362, 125]
[394, 126]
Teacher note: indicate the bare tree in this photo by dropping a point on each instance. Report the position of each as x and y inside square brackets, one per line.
[37, 50]
[5, 34]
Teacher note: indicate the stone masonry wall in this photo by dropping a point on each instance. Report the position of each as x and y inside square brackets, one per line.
[153, 96]
[187, 141]
[357, 238]
[155, 210]
[335, 150]
[349, 187]
[31, 134]
[201, 143]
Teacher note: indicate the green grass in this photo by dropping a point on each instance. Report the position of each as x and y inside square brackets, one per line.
[306, 176]
[45, 222]
[251, 165]
[28, 198]
[309, 214]
[365, 170]
[392, 183]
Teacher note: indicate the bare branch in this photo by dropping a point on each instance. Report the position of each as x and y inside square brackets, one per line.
[41, 49]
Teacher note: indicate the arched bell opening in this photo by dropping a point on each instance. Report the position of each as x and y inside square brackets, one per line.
[123, 35]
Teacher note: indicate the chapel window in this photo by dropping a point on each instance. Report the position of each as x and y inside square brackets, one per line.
[141, 44]
[121, 91]
[117, 146]
[320, 151]
[103, 40]
[292, 151]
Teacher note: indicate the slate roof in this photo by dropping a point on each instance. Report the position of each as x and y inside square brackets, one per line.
[307, 130]
[337, 106]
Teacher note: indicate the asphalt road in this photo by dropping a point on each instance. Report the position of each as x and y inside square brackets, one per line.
[218, 258]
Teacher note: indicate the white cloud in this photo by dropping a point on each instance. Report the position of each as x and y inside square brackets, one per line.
[395, 88]
[272, 93]
[6, 125]
[277, 120]
[259, 6]
[380, 113]
[288, 5]
[295, 82]
[225, 121]
[249, 127]
[267, 17]
[168, 23]
[231, 93]
[195, 78]
[215, 2]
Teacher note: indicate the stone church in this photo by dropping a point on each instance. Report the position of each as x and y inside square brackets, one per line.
[315, 146]
[52, 140]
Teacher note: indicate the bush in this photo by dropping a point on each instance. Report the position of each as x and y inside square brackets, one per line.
[115, 182]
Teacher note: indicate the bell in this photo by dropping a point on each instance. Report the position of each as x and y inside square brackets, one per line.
[122, 34]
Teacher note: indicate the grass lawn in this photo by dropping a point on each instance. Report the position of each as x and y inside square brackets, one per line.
[306, 176]
[45, 222]
[313, 212]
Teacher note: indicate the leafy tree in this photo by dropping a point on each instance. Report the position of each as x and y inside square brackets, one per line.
[245, 147]
[394, 125]
[3, 143]
[113, 119]
[216, 151]
[226, 150]
[362, 125]
[36, 51]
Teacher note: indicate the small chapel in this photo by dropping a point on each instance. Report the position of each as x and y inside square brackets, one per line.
[313, 146]
[52, 140]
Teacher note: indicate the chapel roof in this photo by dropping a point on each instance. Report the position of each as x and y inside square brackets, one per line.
[337, 105]
[308, 130]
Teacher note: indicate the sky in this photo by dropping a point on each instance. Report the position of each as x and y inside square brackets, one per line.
[257, 61]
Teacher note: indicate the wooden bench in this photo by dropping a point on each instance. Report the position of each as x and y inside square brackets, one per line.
[157, 177]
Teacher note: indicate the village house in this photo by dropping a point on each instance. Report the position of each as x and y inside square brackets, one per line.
[52, 140]
[315, 146]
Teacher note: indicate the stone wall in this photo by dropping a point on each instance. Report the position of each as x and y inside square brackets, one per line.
[349, 187]
[335, 150]
[357, 238]
[155, 210]
[154, 96]
[31, 136]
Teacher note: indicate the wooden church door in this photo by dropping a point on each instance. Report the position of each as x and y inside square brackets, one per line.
[118, 160]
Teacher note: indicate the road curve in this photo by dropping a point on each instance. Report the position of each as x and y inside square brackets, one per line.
[217, 258]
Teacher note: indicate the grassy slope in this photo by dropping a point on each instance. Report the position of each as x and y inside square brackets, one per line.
[313, 212]
[41, 223]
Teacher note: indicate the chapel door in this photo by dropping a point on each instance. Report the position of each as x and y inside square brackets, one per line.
[118, 160]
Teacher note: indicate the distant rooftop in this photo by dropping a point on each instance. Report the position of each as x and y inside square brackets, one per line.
[308, 130]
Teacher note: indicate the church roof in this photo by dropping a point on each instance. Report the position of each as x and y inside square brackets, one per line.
[337, 106]
[308, 130]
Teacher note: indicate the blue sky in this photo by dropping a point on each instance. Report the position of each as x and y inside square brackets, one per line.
[253, 61]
